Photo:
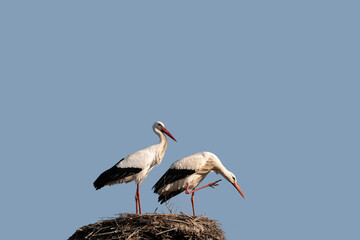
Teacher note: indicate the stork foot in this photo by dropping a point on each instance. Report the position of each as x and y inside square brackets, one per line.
[214, 184]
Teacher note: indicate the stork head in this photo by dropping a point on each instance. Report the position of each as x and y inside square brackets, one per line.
[159, 126]
[232, 179]
[219, 168]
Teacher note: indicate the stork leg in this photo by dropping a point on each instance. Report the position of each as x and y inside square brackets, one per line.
[136, 203]
[137, 199]
[213, 184]
[192, 202]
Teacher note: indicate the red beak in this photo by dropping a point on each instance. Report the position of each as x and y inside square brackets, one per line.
[238, 188]
[164, 130]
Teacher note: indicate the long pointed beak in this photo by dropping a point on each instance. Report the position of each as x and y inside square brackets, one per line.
[238, 188]
[164, 130]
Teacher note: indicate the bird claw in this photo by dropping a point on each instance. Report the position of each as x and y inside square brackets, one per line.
[214, 184]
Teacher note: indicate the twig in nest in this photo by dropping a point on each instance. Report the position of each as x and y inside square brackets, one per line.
[166, 231]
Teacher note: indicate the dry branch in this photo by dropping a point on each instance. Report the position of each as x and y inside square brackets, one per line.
[151, 226]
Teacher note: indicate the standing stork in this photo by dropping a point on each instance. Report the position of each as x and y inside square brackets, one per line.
[188, 173]
[136, 166]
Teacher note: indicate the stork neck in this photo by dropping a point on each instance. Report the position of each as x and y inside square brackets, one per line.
[225, 173]
[220, 168]
[161, 146]
[163, 141]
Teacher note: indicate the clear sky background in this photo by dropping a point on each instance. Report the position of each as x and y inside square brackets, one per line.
[271, 87]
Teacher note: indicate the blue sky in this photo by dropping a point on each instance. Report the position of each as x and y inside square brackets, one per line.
[271, 87]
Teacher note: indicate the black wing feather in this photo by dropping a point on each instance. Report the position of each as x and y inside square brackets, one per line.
[113, 174]
[171, 176]
[164, 198]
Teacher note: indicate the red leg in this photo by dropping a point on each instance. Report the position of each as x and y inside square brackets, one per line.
[192, 202]
[213, 184]
[138, 196]
[136, 202]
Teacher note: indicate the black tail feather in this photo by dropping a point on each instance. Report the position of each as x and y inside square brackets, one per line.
[114, 174]
[164, 198]
[170, 176]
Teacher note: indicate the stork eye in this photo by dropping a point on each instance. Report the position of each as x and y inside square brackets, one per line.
[234, 178]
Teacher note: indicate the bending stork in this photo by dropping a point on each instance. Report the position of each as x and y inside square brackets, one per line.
[136, 166]
[187, 173]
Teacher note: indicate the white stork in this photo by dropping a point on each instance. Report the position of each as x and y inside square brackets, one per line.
[136, 166]
[188, 173]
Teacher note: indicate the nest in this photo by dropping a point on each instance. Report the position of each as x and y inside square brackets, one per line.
[151, 226]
